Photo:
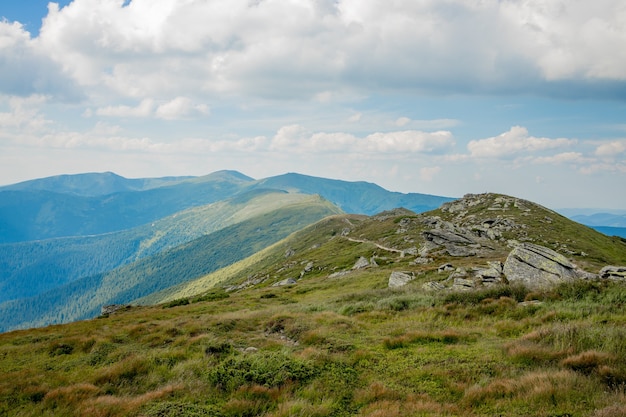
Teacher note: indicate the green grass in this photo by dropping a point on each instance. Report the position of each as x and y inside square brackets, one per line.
[341, 346]
[434, 356]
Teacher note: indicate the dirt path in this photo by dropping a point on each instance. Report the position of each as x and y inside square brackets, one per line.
[379, 246]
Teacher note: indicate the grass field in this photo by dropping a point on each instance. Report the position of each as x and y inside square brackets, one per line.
[341, 344]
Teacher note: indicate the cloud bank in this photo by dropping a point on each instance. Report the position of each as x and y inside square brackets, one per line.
[169, 48]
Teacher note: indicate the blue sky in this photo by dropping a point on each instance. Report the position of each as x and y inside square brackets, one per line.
[446, 97]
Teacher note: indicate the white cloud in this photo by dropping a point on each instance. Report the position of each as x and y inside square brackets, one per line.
[402, 121]
[178, 108]
[322, 49]
[27, 69]
[565, 157]
[573, 39]
[356, 117]
[24, 113]
[514, 142]
[144, 109]
[297, 138]
[611, 149]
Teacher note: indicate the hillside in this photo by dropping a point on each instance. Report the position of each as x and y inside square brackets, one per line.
[338, 340]
[420, 243]
[30, 268]
[251, 232]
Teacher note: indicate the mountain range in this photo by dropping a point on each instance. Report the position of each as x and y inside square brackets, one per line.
[72, 243]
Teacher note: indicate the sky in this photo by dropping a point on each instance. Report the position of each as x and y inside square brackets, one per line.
[444, 97]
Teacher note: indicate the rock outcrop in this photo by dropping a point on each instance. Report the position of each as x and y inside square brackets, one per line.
[537, 267]
[399, 279]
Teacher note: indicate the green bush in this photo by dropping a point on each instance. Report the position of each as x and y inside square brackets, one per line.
[176, 303]
[273, 369]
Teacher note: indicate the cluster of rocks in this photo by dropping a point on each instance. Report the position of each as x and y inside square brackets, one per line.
[532, 266]
[463, 279]
[472, 239]
[249, 282]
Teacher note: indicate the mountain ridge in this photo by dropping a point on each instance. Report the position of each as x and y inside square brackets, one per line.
[82, 298]
[34, 214]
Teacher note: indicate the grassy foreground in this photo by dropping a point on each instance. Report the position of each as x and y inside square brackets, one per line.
[331, 347]
[340, 342]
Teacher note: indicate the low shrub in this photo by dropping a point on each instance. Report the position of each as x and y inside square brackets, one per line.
[273, 369]
[176, 303]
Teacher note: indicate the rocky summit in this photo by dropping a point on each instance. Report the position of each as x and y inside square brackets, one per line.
[477, 242]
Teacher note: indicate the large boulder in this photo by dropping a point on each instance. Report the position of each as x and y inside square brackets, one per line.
[537, 267]
[399, 279]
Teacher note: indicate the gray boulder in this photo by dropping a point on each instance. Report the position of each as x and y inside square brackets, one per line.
[399, 279]
[614, 273]
[288, 281]
[361, 263]
[537, 267]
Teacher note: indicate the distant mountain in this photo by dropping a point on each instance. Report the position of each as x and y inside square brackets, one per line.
[353, 197]
[92, 184]
[601, 219]
[34, 214]
[64, 236]
[92, 204]
[83, 298]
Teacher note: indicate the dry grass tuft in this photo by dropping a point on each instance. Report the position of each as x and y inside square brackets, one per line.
[70, 395]
[109, 405]
[586, 362]
[532, 354]
[376, 391]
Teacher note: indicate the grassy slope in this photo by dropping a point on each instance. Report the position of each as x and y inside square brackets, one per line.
[84, 297]
[339, 346]
[31, 268]
[588, 248]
